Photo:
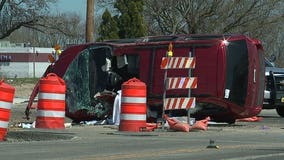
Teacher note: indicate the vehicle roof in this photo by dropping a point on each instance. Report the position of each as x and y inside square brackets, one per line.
[194, 39]
[187, 40]
[174, 38]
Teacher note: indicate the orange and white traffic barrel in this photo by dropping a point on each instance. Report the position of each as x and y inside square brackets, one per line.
[6, 101]
[133, 106]
[51, 102]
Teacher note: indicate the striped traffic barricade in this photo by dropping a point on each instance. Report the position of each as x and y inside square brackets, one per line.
[171, 83]
[181, 83]
[179, 103]
[178, 62]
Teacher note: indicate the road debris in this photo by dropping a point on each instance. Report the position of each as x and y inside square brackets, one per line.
[212, 144]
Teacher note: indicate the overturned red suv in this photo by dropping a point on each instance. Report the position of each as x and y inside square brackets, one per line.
[230, 71]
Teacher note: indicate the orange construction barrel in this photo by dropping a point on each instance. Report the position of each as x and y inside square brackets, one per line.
[133, 106]
[51, 102]
[6, 101]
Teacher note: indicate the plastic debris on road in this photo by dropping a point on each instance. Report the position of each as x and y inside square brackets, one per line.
[212, 144]
[27, 125]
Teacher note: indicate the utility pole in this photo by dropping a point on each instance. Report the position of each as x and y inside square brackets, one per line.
[90, 21]
[34, 47]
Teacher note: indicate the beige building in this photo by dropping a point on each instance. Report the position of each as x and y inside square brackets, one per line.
[19, 61]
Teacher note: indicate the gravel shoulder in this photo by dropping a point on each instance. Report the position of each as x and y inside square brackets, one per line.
[23, 90]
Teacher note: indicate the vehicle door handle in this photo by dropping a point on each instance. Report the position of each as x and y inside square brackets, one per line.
[254, 75]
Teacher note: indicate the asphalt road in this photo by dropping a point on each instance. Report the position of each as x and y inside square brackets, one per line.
[241, 141]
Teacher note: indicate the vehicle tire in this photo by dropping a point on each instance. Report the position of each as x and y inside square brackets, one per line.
[280, 111]
[231, 121]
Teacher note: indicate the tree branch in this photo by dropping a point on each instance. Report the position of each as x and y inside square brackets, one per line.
[2, 4]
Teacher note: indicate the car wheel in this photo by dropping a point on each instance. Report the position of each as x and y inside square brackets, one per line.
[231, 121]
[280, 111]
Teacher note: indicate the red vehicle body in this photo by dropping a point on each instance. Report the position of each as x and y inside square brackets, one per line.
[229, 68]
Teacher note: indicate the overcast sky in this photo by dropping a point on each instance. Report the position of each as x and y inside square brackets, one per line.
[77, 6]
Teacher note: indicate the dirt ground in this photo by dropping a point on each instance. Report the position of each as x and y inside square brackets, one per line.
[23, 90]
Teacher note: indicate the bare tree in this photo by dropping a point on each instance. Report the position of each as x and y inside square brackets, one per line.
[262, 19]
[63, 28]
[211, 16]
[15, 14]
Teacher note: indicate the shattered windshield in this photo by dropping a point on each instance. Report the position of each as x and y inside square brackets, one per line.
[85, 78]
[76, 78]
[92, 80]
